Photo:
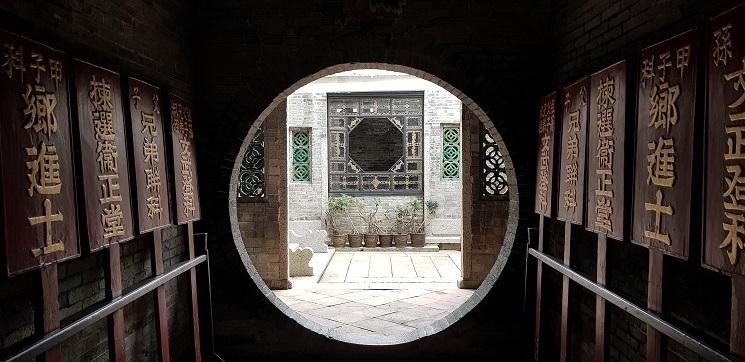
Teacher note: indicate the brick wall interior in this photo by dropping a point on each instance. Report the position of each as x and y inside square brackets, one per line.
[485, 220]
[694, 299]
[119, 36]
[263, 222]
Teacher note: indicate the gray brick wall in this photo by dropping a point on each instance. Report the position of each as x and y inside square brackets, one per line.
[307, 108]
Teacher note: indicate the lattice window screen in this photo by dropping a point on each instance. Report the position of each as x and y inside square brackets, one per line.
[252, 172]
[450, 152]
[493, 172]
[301, 155]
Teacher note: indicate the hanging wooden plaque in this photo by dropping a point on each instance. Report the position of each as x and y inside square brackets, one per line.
[724, 225]
[545, 155]
[664, 145]
[37, 173]
[103, 151]
[152, 205]
[184, 162]
[605, 173]
[573, 152]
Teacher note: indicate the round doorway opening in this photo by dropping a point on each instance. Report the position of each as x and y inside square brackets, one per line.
[373, 206]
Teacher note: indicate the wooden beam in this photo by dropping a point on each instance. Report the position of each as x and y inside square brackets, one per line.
[161, 310]
[654, 302]
[565, 293]
[116, 320]
[737, 333]
[50, 304]
[194, 303]
[538, 275]
[599, 301]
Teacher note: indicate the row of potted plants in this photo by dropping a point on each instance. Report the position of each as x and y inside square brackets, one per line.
[406, 224]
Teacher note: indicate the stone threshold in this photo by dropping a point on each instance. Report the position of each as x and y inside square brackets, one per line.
[408, 249]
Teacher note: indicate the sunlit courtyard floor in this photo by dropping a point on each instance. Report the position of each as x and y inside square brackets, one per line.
[378, 293]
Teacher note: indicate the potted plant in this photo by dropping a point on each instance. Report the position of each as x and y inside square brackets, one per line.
[419, 231]
[337, 206]
[386, 233]
[401, 238]
[355, 238]
[371, 237]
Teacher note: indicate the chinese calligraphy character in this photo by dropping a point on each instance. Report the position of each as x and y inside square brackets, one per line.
[103, 126]
[150, 151]
[658, 209]
[13, 60]
[665, 62]
[663, 111]
[153, 180]
[570, 199]
[148, 124]
[734, 230]
[107, 156]
[734, 196]
[55, 72]
[735, 145]
[136, 97]
[153, 206]
[37, 64]
[109, 189]
[683, 56]
[47, 219]
[112, 219]
[647, 71]
[739, 85]
[661, 162]
[39, 109]
[572, 146]
[100, 93]
[723, 45]
[44, 170]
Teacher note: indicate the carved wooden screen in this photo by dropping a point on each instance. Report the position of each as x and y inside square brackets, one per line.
[251, 174]
[376, 143]
[493, 172]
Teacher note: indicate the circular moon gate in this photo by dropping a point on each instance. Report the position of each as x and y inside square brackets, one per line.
[455, 315]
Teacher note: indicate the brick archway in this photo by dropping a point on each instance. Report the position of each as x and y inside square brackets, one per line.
[491, 277]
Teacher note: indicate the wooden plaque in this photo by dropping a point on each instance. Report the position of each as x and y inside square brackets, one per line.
[153, 211]
[37, 173]
[724, 226]
[664, 145]
[103, 151]
[573, 152]
[545, 155]
[605, 192]
[184, 162]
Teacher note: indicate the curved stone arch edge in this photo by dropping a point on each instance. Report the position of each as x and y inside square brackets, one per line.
[437, 326]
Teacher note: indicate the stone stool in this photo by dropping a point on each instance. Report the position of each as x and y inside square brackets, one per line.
[300, 261]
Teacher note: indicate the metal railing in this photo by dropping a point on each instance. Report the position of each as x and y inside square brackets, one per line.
[653, 319]
[58, 336]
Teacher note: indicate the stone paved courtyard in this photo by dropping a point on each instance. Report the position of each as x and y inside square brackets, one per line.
[380, 293]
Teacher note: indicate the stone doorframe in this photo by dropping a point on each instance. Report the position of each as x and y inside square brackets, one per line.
[470, 279]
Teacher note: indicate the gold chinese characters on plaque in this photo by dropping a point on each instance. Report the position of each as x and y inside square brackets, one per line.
[606, 136]
[149, 156]
[664, 145]
[545, 153]
[724, 225]
[103, 152]
[184, 161]
[38, 195]
[575, 106]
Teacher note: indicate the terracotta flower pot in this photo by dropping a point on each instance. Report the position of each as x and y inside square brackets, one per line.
[338, 241]
[386, 241]
[402, 240]
[417, 240]
[355, 240]
[371, 240]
